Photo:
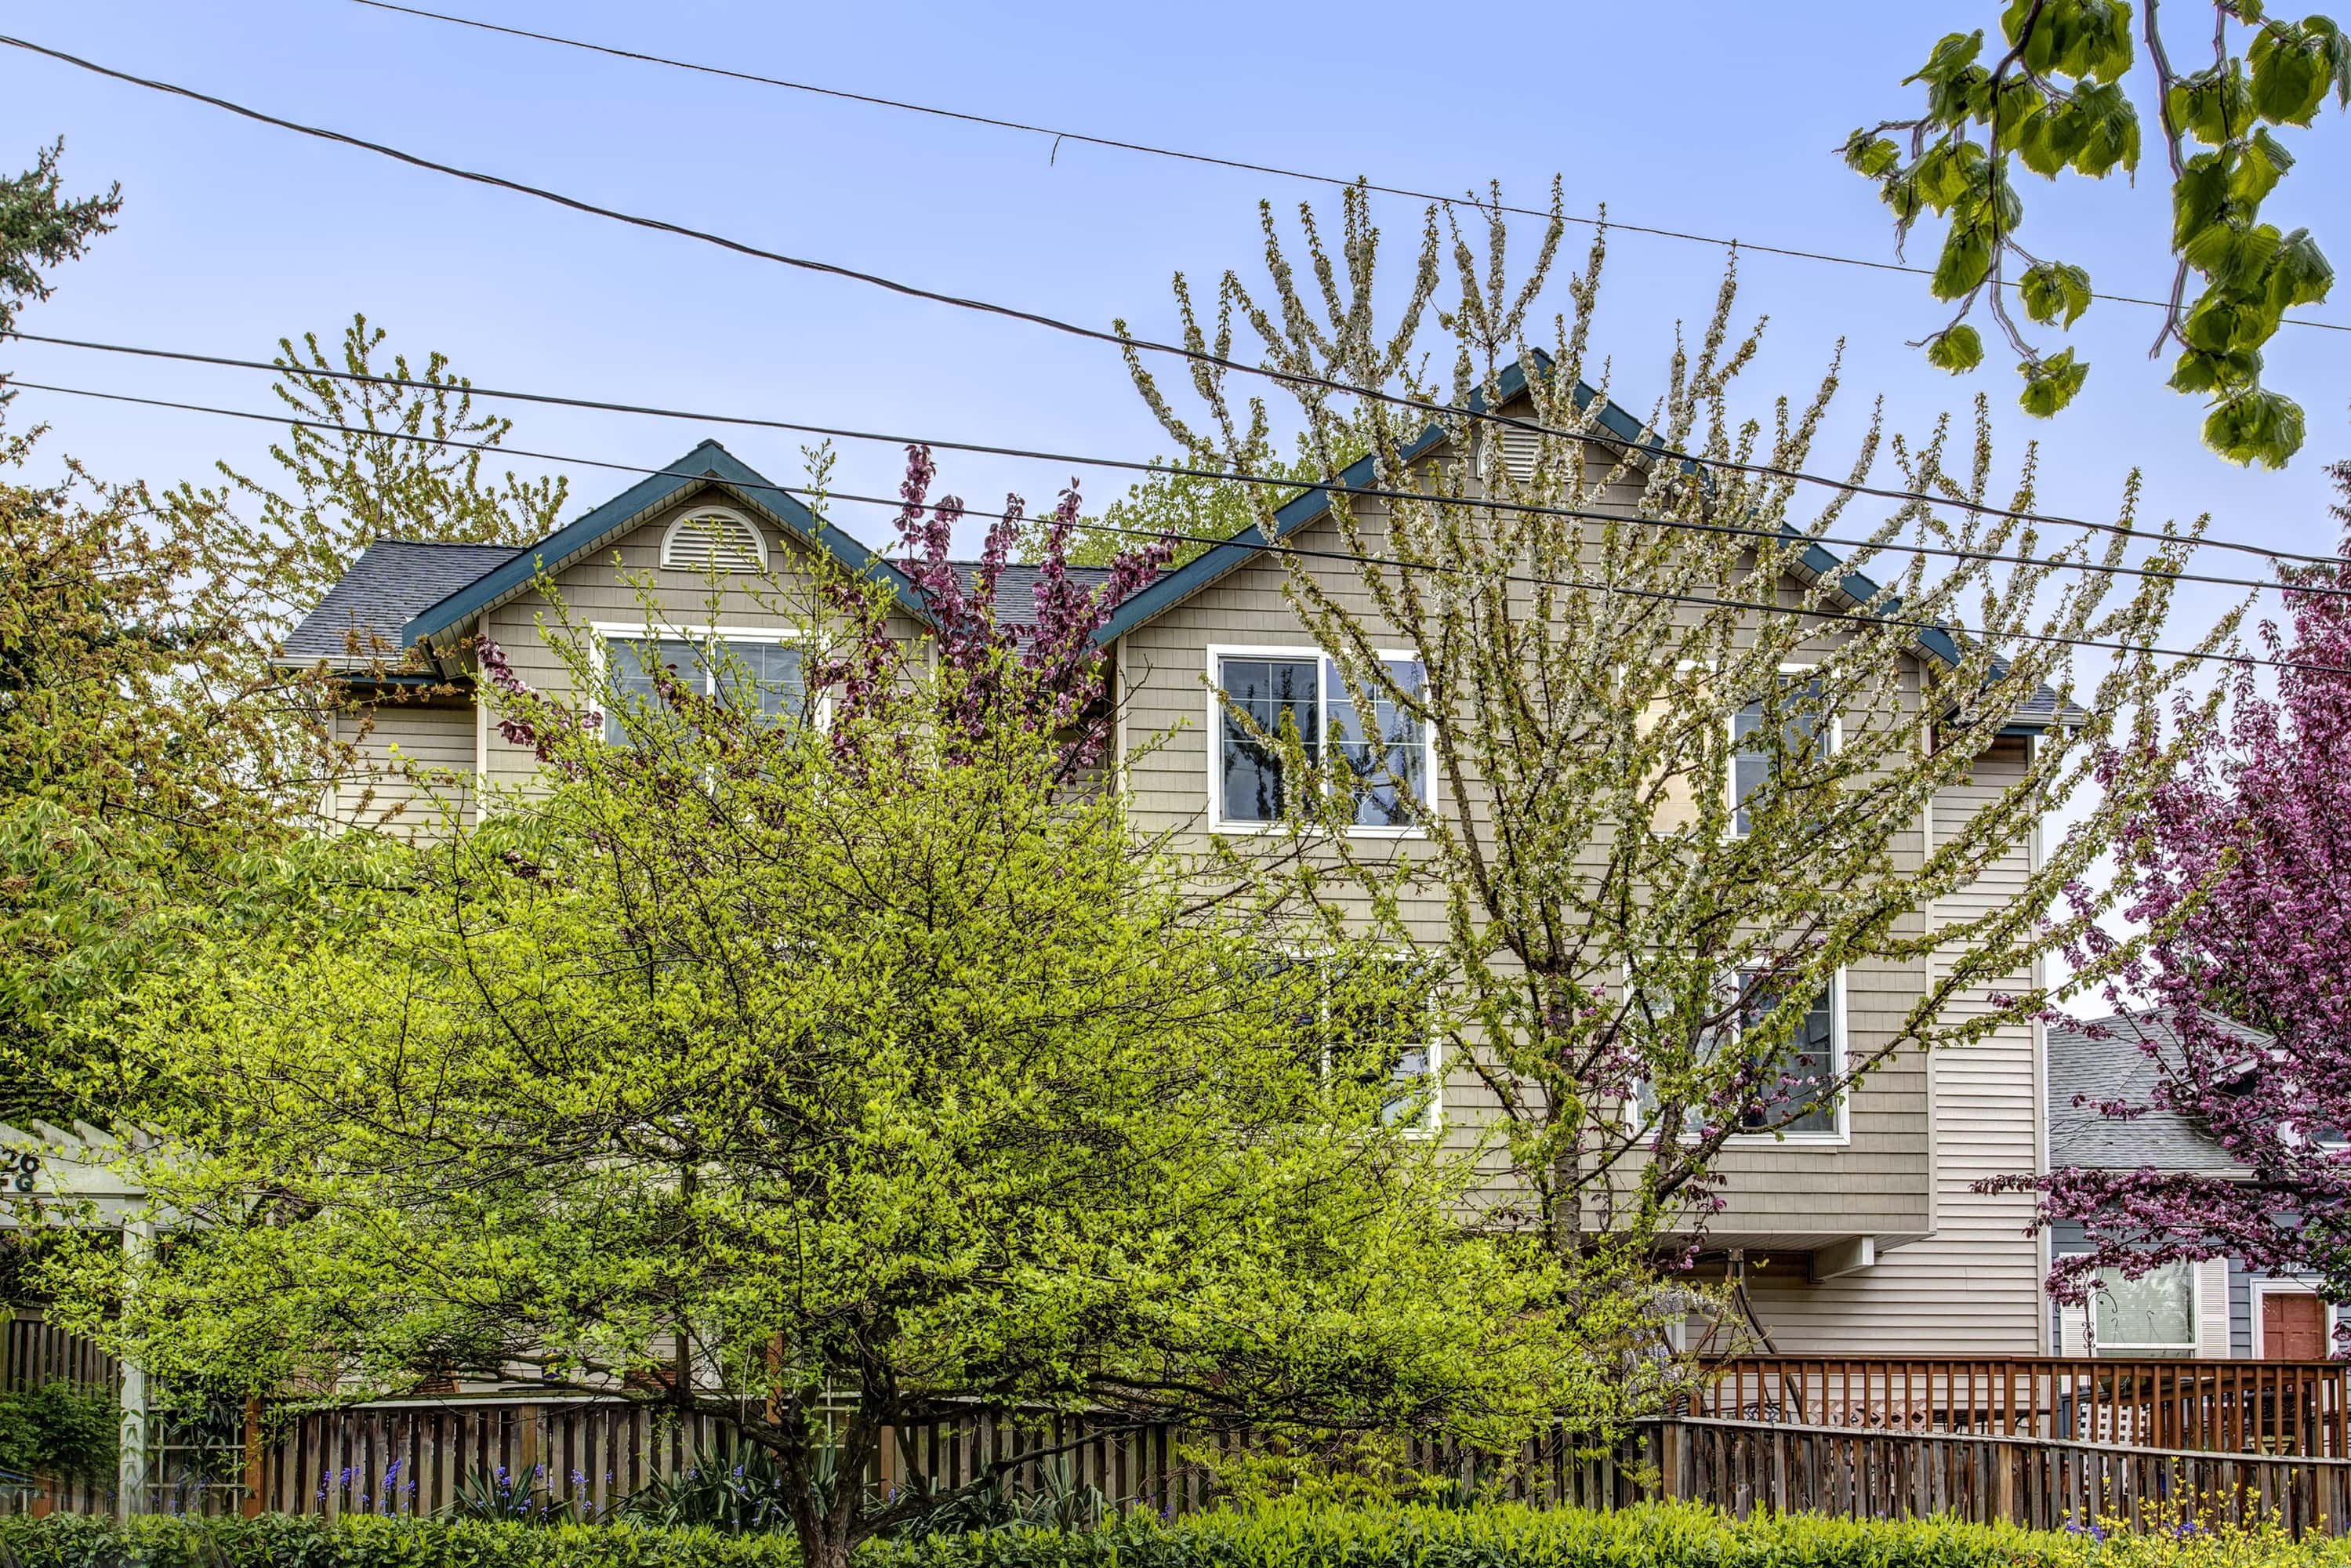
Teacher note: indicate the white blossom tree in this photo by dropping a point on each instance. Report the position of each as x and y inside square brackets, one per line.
[1684, 745]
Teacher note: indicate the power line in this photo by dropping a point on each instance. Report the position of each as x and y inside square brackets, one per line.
[1052, 323]
[1275, 547]
[1180, 471]
[1063, 134]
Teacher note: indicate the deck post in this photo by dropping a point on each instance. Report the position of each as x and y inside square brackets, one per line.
[253, 1477]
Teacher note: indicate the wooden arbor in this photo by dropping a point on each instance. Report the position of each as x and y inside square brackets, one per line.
[51, 1177]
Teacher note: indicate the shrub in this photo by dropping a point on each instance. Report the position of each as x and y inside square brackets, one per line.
[1671, 1535]
[59, 1428]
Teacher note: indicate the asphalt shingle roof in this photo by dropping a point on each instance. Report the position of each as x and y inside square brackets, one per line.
[391, 580]
[2119, 1069]
[1015, 588]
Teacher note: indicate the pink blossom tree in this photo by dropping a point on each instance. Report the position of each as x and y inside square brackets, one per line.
[2239, 872]
[1059, 687]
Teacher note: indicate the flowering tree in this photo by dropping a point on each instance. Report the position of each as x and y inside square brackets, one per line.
[2239, 867]
[1062, 692]
[1680, 770]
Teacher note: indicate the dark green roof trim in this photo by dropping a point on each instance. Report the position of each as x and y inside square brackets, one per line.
[707, 464]
[1171, 588]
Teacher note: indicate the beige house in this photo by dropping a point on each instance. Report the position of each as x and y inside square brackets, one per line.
[1858, 1232]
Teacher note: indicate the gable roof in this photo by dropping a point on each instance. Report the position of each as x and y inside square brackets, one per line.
[391, 581]
[1173, 588]
[707, 466]
[2117, 1068]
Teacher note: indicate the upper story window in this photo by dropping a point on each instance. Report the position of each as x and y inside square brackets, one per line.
[1795, 1089]
[1755, 758]
[757, 673]
[1381, 756]
[713, 539]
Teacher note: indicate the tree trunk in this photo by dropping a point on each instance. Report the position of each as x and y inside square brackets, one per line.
[822, 1549]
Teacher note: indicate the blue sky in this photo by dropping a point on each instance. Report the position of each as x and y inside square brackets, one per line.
[1717, 118]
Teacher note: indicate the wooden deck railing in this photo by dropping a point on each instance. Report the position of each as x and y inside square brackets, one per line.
[2235, 1406]
[1886, 1473]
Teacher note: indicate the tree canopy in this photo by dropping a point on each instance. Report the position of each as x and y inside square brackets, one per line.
[829, 1072]
[1675, 770]
[2238, 870]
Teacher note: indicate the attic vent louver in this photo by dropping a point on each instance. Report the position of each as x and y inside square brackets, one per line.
[1519, 450]
[711, 540]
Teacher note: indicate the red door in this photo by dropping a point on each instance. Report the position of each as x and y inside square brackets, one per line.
[2294, 1326]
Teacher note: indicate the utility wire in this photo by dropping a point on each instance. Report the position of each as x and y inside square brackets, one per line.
[1242, 164]
[1180, 471]
[1265, 547]
[1095, 334]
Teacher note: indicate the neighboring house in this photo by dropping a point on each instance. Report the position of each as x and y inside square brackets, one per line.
[2214, 1309]
[1863, 1235]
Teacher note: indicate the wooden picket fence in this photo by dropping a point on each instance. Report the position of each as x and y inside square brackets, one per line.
[583, 1456]
[2234, 1406]
[33, 1351]
[2042, 1441]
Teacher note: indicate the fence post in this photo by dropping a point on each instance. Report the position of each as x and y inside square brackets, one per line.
[251, 1455]
[1670, 1465]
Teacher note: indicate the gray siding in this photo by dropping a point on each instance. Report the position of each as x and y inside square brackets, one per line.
[417, 767]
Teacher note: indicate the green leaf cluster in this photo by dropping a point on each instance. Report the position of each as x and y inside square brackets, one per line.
[2052, 99]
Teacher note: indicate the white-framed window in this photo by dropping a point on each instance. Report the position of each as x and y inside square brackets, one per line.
[714, 538]
[1373, 1021]
[757, 671]
[1754, 758]
[2154, 1314]
[1385, 756]
[1796, 1098]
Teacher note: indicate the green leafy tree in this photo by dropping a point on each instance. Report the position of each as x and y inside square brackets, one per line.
[1190, 508]
[1675, 776]
[400, 459]
[2051, 96]
[153, 762]
[58, 1429]
[40, 227]
[829, 1077]
[140, 747]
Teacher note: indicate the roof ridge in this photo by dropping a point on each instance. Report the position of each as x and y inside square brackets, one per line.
[444, 544]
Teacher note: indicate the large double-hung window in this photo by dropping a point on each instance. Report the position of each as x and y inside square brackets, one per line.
[1793, 1088]
[2154, 1314]
[756, 672]
[1379, 756]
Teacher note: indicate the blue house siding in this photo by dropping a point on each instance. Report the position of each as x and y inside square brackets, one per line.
[2066, 1238]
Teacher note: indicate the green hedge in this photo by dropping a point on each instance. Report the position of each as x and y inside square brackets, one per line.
[1278, 1536]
